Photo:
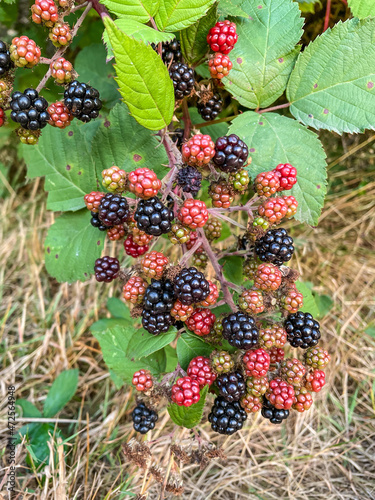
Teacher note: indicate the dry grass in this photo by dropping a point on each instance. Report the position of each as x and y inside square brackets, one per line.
[326, 454]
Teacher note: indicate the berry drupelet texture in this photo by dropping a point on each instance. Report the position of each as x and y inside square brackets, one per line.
[82, 100]
[231, 386]
[132, 249]
[240, 330]
[276, 246]
[201, 321]
[113, 210]
[222, 37]
[106, 269]
[302, 329]
[5, 60]
[189, 179]
[142, 380]
[199, 369]
[29, 109]
[191, 287]
[209, 110]
[153, 217]
[144, 418]
[226, 418]
[183, 79]
[134, 290]
[274, 415]
[231, 153]
[95, 222]
[185, 392]
[171, 51]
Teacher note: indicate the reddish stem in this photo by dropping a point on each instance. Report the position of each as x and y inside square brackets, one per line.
[273, 108]
[328, 12]
[100, 9]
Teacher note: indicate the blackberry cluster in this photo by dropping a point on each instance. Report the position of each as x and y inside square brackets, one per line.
[191, 286]
[240, 330]
[211, 109]
[95, 222]
[153, 217]
[171, 51]
[302, 329]
[189, 179]
[144, 418]
[274, 415]
[226, 418]
[29, 110]
[106, 269]
[231, 153]
[183, 79]
[276, 247]
[113, 210]
[157, 304]
[5, 60]
[231, 386]
[83, 101]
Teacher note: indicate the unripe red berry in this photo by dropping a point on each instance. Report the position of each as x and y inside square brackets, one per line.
[181, 312]
[92, 201]
[201, 321]
[280, 394]
[221, 194]
[222, 37]
[134, 290]
[251, 301]
[315, 380]
[198, 151]
[274, 209]
[144, 183]
[24, 52]
[251, 403]
[292, 205]
[132, 249]
[142, 380]
[267, 277]
[154, 264]
[185, 392]
[219, 65]
[287, 176]
[60, 34]
[44, 12]
[302, 399]
[62, 71]
[317, 357]
[193, 213]
[60, 116]
[292, 370]
[266, 183]
[199, 369]
[257, 362]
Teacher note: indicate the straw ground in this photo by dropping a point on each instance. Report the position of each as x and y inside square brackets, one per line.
[326, 454]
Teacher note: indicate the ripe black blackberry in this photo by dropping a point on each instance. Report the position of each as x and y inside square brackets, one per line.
[153, 217]
[177, 136]
[29, 109]
[210, 109]
[240, 330]
[113, 210]
[94, 221]
[144, 418]
[231, 153]
[5, 61]
[231, 386]
[302, 329]
[156, 323]
[106, 269]
[274, 415]
[189, 179]
[276, 247]
[82, 100]
[191, 286]
[183, 79]
[159, 296]
[226, 418]
[171, 51]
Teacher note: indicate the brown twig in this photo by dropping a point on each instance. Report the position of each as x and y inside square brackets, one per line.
[186, 119]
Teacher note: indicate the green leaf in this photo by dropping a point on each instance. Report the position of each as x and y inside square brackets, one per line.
[193, 40]
[72, 246]
[174, 15]
[118, 309]
[62, 157]
[61, 392]
[106, 323]
[232, 268]
[114, 343]
[324, 303]
[39, 437]
[171, 359]
[138, 10]
[143, 343]
[265, 53]
[274, 139]
[189, 416]
[123, 142]
[92, 67]
[362, 8]
[189, 346]
[138, 31]
[231, 8]
[28, 409]
[330, 89]
[215, 131]
[143, 79]
[309, 304]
